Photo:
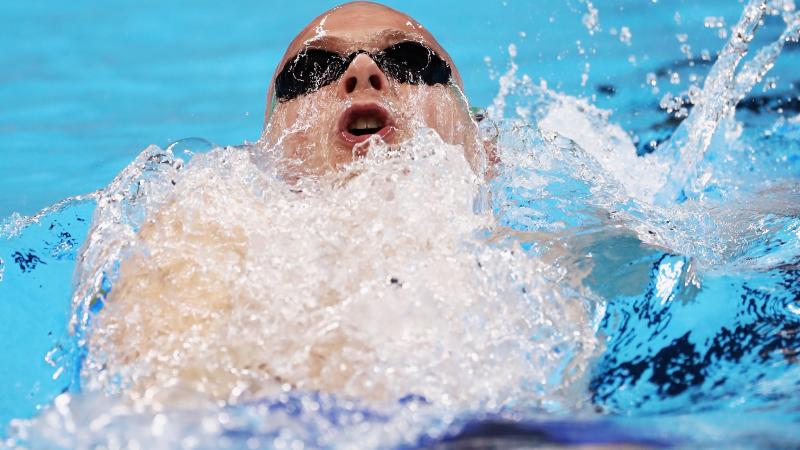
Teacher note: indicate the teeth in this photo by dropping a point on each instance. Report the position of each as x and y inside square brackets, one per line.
[366, 123]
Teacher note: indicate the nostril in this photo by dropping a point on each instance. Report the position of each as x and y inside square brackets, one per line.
[376, 82]
[350, 85]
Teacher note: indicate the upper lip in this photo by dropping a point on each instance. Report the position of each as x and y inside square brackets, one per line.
[372, 113]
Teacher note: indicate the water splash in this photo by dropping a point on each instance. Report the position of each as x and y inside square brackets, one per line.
[15, 224]
[216, 280]
[120, 209]
[591, 19]
[716, 103]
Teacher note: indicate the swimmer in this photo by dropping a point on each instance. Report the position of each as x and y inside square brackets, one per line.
[361, 72]
[238, 283]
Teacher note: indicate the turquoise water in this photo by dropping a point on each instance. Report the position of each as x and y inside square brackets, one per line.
[702, 323]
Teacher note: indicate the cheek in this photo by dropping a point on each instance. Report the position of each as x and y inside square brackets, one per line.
[303, 131]
[437, 107]
[306, 119]
[444, 110]
[440, 115]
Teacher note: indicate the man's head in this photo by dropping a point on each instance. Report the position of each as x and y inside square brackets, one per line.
[358, 71]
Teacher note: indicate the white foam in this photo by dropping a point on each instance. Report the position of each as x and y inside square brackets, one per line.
[375, 283]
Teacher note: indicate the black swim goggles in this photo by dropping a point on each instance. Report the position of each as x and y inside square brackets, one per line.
[312, 68]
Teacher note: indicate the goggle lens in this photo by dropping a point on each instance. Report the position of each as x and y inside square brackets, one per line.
[313, 68]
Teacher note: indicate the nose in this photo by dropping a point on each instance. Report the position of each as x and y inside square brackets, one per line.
[363, 75]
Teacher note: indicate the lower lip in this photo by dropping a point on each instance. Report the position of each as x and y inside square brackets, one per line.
[353, 139]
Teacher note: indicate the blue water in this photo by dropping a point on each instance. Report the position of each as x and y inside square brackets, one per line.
[85, 88]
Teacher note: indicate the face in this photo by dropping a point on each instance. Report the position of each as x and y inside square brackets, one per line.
[360, 86]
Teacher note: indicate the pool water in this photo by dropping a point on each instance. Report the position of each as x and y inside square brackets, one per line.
[665, 306]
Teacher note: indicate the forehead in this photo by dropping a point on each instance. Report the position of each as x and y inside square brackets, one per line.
[360, 23]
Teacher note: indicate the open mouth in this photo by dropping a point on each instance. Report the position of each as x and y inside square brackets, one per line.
[360, 122]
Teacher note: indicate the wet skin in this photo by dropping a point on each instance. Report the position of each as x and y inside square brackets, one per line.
[313, 131]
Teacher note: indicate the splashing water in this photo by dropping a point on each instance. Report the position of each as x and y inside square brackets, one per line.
[375, 283]
[392, 302]
[330, 286]
[722, 91]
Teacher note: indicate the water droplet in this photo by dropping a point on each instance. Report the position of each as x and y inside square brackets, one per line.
[625, 35]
